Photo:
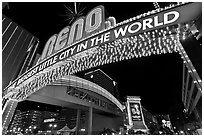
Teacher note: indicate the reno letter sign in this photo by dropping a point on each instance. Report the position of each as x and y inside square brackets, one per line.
[81, 28]
[94, 22]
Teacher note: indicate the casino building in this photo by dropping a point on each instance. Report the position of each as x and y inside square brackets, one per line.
[19, 50]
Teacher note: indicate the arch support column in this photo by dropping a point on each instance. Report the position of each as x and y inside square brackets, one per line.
[90, 121]
[78, 121]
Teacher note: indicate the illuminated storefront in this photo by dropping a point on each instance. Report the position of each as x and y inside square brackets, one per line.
[88, 44]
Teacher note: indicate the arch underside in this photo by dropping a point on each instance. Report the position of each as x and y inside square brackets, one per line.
[75, 90]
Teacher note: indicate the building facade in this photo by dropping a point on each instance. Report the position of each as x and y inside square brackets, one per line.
[18, 50]
[28, 121]
[102, 79]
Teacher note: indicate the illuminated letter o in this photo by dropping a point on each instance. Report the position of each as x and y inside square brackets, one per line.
[98, 19]
[136, 30]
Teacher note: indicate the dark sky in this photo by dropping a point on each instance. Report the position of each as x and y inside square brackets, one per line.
[157, 79]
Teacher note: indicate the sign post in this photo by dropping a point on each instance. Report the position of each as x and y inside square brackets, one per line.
[135, 115]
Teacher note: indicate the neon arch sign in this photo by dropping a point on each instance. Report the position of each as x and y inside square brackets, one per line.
[154, 32]
[83, 28]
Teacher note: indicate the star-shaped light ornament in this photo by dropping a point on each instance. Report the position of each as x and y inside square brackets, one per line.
[73, 13]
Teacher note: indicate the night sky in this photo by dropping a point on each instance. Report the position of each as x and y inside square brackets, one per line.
[156, 79]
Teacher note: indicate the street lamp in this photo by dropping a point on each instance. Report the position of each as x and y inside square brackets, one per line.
[181, 132]
[31, 128]
[52, 126]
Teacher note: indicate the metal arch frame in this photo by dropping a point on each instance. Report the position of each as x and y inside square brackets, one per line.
[196, 81]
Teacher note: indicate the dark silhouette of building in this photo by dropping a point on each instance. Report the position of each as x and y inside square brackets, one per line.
[102, 79]
[19, 48]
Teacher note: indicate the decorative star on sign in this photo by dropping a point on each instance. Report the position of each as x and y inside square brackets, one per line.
[73, 13]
